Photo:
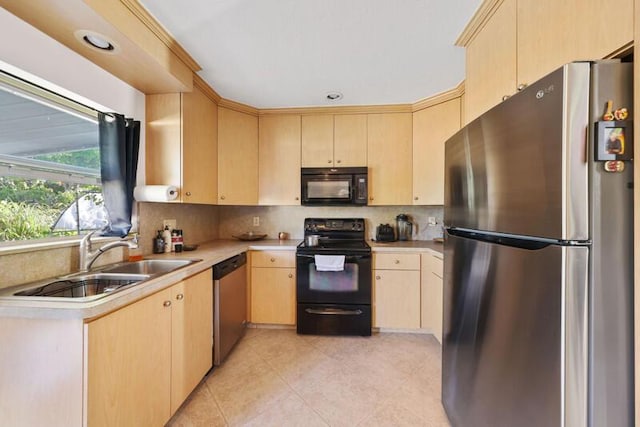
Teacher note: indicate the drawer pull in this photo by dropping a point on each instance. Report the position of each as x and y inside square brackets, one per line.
[397, 261]
[273, 260]
[188, 193]
[222, 197]
[377, 277]
[290, 276]
[166, 303]
[179, 297]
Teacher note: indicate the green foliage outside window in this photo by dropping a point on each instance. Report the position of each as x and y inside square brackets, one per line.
[29, 207]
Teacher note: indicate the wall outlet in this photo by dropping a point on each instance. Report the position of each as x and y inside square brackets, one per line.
[256, 221]
[170, 222]
[431, 221]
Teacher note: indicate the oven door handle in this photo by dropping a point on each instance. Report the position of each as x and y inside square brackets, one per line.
[346, 256]
[333, 311]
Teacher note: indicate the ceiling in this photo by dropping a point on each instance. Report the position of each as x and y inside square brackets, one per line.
[291, 53]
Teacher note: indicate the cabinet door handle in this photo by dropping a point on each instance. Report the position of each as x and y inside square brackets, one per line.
[290, 276]
[179, 297]
[415, 198]
[222, 197]
[521, 86]
[371, 198]
[188, 193]
[397, 261]
[338, 161]
[505, 97]
[297, 198]
[273, 260]
[329, 161]
[166, 303]
[377, 277]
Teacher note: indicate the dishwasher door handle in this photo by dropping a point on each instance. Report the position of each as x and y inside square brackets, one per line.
[333, 311]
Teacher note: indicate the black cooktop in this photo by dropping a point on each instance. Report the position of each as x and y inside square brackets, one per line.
[346, 235]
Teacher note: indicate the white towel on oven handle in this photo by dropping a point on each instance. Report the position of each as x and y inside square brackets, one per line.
[329, 262]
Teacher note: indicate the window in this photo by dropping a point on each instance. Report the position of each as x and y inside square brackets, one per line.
[49, 164]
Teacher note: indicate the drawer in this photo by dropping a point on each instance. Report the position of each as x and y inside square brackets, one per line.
[433, 265]
[273, 259]
[396, 261]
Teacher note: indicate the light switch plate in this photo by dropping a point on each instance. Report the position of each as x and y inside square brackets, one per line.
[256, 221]
[170, 222]
[431, 221]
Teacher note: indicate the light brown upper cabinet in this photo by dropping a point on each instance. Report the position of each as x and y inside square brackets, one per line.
[317, 141]
[389, 158]
[491, 62]
[552, 33]
[237, 158]
[279, 159]
[334, 140]
[350, 140]
[524, 40]
[432, 126]
[181, 144]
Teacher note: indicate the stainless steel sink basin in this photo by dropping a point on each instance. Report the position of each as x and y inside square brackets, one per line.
[93, 285]
[84, 285]
[150, 266]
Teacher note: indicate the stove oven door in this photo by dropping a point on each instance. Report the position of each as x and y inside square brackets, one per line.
[349, 286]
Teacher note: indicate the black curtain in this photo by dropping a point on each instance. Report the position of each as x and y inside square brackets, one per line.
[119, 139]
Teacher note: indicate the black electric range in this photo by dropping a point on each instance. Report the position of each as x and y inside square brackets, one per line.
[335, 302]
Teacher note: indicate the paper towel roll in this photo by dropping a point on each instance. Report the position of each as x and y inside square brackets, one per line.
[155, 193]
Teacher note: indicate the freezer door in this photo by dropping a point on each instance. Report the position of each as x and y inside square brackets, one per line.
[514, 335]
[521, 167]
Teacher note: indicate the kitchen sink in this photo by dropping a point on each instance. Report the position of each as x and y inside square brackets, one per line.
[150, 266]
[102, 282]
[84, 285]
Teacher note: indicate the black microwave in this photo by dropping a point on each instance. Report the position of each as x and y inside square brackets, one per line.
[334, 186]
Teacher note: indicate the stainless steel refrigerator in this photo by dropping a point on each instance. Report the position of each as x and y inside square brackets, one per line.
[538, 281]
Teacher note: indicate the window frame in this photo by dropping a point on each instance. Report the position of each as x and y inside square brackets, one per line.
[33, 169]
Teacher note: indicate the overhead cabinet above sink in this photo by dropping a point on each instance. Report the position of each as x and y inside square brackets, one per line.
[181, 144]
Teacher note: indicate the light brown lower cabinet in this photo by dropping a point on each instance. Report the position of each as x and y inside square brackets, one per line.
[273, 287]
[396, 290]
[144, 359]
[432, 295]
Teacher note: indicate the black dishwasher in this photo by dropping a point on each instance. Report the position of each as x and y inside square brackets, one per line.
[229, 305]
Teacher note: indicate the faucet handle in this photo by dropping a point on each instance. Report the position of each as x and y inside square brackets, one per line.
[133, 237]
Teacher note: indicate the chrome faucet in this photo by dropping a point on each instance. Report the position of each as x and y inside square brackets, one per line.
[87, 257]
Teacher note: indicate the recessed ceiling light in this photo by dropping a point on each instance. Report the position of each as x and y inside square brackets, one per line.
[334, 96]
[96, 41]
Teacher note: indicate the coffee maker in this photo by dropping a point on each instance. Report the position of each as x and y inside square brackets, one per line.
[404, 227]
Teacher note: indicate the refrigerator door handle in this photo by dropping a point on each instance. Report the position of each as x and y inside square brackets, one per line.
[503, 239]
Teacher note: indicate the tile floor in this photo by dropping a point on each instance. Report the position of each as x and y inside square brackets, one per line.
[277, 378]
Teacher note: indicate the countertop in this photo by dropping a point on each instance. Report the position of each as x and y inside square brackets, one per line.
[209, 254]
[408, 246]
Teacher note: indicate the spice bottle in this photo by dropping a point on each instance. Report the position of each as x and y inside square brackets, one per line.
[166, 235]
[174, 240]
[179, 242]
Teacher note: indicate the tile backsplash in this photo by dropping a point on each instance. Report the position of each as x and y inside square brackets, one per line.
[235, 220]
[199, 223]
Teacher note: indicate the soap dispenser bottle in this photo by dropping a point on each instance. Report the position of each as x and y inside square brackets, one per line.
[166, 235]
